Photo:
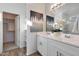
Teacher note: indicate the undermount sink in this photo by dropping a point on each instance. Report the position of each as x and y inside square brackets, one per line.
[48, 33]
[67, 35]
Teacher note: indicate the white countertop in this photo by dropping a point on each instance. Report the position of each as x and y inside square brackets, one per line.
[73, 40]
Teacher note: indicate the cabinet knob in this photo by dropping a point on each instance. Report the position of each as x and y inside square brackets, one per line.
[40, 43]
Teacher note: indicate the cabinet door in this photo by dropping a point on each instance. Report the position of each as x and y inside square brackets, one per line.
[52, 51]
[42, 45]
[62, 53]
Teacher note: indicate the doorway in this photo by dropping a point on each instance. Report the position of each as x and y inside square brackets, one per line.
[9, 31]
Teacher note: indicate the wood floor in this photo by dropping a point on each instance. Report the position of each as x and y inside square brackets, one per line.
[9, 46]
[18, 52]
[14, 52]
[36, 54]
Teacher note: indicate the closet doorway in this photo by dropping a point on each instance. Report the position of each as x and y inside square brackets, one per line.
[9, 31]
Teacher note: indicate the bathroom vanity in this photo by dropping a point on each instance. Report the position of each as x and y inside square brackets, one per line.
[57, 44]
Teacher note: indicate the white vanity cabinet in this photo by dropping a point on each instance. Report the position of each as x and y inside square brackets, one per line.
[42, 45]
[46, 47]
[51, 47]
[55, 49]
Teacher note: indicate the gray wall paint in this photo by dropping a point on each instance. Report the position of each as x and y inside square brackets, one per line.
[1, 32]
[31, 37]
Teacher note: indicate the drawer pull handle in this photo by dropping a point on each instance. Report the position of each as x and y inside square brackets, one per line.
[57, 53]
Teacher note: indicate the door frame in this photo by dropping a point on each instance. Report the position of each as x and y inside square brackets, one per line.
[17, 37]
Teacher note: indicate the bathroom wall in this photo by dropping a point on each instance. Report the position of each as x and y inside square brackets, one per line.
[63, 12]
[1, 32]
[31, 37]
[16, 8]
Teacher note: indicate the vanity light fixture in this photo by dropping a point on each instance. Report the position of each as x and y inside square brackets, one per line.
[55, 6]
